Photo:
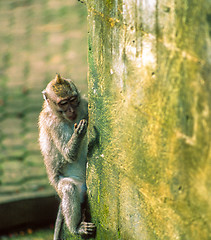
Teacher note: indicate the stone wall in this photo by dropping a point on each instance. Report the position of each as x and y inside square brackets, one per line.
[150, 99]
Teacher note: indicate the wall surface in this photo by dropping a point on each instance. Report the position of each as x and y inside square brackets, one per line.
[150, 99]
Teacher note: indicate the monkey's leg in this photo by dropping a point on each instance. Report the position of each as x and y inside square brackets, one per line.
[71, 208]
[70, 202]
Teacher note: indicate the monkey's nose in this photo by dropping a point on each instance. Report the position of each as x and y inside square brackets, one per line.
[71, 109]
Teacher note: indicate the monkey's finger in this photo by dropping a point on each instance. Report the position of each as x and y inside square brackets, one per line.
[82, 122]
[82, 126]
[77, 127]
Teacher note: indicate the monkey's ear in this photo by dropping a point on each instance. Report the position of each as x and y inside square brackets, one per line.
[44, 94]
[58, 78]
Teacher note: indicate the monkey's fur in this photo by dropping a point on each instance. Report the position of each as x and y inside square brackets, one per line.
[63, 143]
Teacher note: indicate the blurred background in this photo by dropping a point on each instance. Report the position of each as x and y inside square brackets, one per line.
[38, 38]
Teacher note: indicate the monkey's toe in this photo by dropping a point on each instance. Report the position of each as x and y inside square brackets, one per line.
[86, 228]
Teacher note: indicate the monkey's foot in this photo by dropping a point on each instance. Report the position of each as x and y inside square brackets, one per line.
[86, 228]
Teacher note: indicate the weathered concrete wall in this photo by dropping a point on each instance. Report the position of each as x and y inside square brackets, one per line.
[150, 98]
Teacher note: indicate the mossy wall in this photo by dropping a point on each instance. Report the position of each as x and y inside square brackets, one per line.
[150, 99]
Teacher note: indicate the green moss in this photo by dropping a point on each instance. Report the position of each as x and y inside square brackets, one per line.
[149, 98]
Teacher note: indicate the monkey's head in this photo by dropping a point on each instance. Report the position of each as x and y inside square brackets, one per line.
[62, 97]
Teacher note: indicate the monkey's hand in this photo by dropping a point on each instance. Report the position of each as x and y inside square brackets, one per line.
[73, 145]
[81, 128]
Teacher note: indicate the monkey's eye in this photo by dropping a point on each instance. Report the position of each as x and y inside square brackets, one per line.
[63, 103]
[74, 100]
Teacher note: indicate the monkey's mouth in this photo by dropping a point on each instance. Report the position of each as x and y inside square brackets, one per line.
[72, 116]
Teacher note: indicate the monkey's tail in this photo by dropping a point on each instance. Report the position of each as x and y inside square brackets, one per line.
[59, 225]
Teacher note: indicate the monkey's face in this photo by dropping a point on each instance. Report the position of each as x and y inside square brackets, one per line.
[63, 97]
[68, 107]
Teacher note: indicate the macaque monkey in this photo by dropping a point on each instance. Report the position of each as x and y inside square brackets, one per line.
[63, 143]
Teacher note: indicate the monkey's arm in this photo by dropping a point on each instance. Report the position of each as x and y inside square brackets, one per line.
[69, 148]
